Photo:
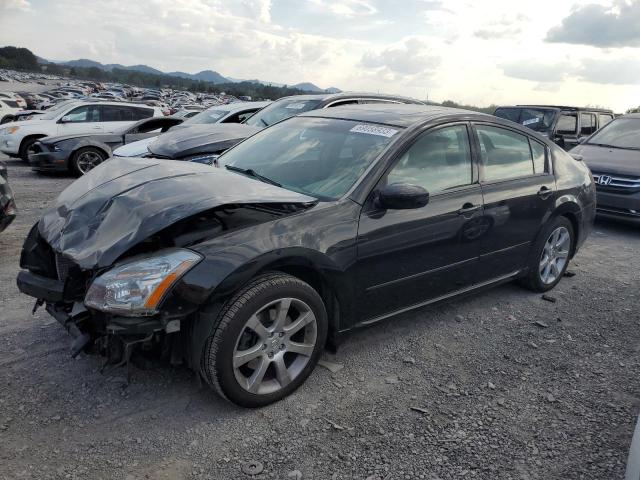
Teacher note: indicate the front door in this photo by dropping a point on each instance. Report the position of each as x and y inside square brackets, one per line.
[407, 257]
[519, 193]
[81, 120]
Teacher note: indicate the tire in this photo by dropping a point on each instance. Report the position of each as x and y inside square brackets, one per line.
[249, 323]
[24, 148]
[85, 159]
[542, 277]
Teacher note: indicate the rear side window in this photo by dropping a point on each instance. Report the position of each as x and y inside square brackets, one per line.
[587, 123]
[567, 123]
[539, 156]
[11, 103]
[505, 154]
[140, 113]
[604, 119]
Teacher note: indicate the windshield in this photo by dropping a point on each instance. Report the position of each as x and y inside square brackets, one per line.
[208, 116]
[280, 110]
[538, 119]
[54, 111]
[316, 156]
[620, 133]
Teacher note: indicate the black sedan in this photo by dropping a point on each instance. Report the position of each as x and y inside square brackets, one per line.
[320, 224]
[7, 202]
[613, 154]
[81, 153]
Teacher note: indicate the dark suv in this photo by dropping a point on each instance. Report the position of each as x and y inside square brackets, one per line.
[563, 125]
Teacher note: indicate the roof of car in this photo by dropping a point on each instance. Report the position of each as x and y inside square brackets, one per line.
[399, 115]
[347, 95]
[240, 105]
[565, 107]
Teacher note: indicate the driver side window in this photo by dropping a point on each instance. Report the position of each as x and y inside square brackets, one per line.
[86, 113]
[437, 161]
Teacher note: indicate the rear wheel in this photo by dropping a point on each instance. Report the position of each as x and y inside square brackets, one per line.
[267, 341]
[86, 159]
[550, 256]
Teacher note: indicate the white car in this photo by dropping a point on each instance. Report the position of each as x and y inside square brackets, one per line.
[76, 118]
[230, 113]
[14, 97]
[7, 109]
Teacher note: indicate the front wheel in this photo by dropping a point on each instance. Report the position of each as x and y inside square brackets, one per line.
[550, 256]
[267, 341]
[86, 159]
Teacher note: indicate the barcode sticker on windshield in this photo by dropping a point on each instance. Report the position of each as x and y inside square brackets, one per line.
[374, 130]
[530, 121]
[295, 106]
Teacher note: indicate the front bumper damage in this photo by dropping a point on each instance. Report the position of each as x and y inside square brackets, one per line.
[60, 287]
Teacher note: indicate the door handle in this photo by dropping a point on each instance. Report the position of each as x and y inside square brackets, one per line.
[544, 192]
[468, 208]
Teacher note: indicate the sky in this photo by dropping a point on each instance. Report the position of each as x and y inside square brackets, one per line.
[477, 52]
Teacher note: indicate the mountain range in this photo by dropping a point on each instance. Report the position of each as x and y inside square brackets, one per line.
[205, 75]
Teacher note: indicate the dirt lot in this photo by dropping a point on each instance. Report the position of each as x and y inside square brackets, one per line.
[497, 395]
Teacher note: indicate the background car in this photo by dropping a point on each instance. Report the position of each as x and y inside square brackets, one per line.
[73, 119]
[220, 114]
[613, 155]
[81, 153]
[8, 109]
[209, 143]
[322, 223]
[7, 202]
[563, 125]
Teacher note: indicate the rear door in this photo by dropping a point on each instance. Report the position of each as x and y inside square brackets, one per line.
[519, 193]
[81, 120]
[117, 117]
[407, 257]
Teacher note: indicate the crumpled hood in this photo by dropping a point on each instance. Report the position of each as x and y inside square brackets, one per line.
[124, 201]
[208, 138]
[610, 160]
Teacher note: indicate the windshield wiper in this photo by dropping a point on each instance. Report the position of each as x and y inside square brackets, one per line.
[252, 173]
[265, 123]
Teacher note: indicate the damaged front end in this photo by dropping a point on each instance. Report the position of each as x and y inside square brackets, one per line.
[108, 258]
[108, 311]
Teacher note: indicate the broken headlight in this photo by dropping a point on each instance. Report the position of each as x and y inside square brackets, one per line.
[137, 287]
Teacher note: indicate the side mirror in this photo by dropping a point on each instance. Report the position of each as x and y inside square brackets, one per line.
[402, 196]
[65, 119]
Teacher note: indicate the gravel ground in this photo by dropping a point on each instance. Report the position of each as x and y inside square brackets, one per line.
[502, 385]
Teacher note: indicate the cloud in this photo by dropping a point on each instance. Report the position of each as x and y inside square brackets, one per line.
[23, 5]
[626, 71]
[496, 33]
[410, 58]
[600, 26]
[535, 71]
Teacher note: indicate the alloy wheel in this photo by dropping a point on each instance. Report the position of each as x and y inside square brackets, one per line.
[274, 346]
[555, 255]
[87, 161]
